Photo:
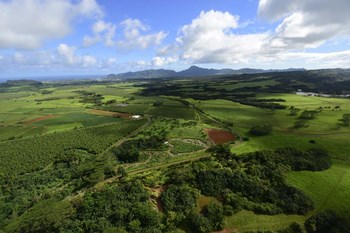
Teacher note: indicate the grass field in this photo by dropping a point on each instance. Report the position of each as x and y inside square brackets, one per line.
[328, 189]
[245, 221]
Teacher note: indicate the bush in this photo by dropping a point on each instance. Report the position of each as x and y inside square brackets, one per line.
[261, 130]
[322, 222]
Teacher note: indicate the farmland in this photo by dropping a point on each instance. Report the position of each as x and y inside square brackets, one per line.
[251, 153]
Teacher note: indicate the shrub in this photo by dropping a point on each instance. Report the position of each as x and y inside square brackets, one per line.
[261, 130]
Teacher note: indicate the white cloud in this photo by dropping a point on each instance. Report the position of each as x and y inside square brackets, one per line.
[320, 60]
[142, 63]
[161, 61]
[67, 55]
[18, 57]
[305, 23]
[89, 41]
[88, 61]
[103, 31]
[88, 8]
[112, 61]
[135, 36]
[213, 37]
[210, 39]
[27, 24]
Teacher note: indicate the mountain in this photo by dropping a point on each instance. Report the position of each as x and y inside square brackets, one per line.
[198, 71]
[160, 73]
[193, 71]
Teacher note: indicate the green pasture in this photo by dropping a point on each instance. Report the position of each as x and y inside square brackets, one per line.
[245, 221]
[328, 189]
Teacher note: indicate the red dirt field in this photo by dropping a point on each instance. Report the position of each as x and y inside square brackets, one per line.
[219, 136]
[39, 119]
[108, 113]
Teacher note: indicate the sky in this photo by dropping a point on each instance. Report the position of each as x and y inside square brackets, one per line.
[87, 37]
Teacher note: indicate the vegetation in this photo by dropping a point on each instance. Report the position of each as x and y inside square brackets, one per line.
[32, 154]
[73, 160]
[261, 130]
[184, 147]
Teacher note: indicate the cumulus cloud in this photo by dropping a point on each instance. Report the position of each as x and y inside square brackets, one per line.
[320, 60]
[162, 61]
[210, 38]
[132, 34]
[68, 56]
[214, 36]
[305, 23]
[27, 24]
[112, 61]
[135, 35]
[103, 31]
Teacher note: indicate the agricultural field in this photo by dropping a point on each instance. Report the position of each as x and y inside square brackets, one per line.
[109, 156]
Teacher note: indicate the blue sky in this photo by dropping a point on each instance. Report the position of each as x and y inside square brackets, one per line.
[80, 37]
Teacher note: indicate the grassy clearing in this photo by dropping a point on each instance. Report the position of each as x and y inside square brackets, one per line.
[328, 189]
[245, 221]
[180, 146]
[203, 201]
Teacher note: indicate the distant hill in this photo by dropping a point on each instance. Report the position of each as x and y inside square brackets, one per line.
[21, 82]
[193, 71]
[198, 71]
[160, 73]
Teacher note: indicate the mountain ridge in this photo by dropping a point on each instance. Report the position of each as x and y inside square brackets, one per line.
[192, 71]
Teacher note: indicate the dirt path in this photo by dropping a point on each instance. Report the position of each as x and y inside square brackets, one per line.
[39, 119]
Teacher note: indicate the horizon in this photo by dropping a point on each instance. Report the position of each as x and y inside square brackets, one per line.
[98, 76]
[98, 37]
